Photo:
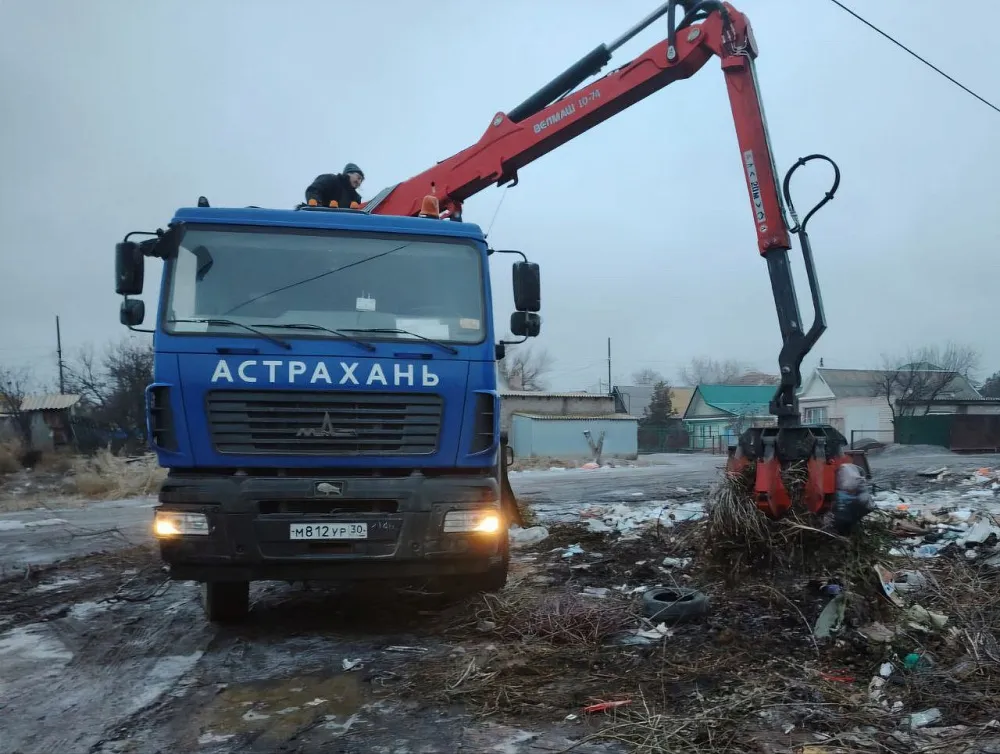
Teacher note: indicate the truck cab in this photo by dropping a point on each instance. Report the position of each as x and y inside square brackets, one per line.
[325, 398]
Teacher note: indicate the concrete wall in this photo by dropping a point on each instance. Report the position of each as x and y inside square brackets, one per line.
[555, 404]
[562, 438]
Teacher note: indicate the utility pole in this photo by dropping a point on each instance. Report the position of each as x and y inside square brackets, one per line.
[610, 389]
[62, 378]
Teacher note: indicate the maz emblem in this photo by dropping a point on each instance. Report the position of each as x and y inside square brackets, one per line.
[326, 429]
[329, 489]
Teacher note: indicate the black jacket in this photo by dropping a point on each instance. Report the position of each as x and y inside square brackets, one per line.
[332, 187]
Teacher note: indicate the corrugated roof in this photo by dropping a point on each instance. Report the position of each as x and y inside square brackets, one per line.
[638, 397]
[49, 402]
[746, 400]
[680, 399]
[543, 394]
[861, 383]
[560, 417]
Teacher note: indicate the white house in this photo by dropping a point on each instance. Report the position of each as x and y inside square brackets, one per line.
[848, 399]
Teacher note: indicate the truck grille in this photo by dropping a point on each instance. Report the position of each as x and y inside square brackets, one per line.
[324, 423]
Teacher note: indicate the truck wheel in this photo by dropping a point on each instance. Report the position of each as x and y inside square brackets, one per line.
[226, 601]
[492, 580]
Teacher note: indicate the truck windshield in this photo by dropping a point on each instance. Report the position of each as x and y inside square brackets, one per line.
[403, 287]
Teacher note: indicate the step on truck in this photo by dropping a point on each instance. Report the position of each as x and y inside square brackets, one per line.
[325, 398]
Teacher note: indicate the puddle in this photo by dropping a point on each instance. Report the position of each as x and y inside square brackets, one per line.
[276, 710]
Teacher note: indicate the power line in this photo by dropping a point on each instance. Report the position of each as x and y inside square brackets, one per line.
[926, 62]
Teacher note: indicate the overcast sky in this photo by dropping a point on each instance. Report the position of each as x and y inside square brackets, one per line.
[117, 112]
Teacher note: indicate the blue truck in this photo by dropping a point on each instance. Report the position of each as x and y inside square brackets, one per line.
[325, 398]
[325, 393]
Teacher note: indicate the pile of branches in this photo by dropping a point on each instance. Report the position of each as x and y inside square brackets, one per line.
[738, 538]
[563, 618]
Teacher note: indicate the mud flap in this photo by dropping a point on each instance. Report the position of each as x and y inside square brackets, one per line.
[508, 503]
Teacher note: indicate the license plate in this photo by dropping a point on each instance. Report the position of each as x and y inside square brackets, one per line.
[328, 531]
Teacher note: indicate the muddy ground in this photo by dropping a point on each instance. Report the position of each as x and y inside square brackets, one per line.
[101, 654]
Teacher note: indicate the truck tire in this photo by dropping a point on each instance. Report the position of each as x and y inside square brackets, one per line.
[226, 601]
[673, 604]
[492, 580]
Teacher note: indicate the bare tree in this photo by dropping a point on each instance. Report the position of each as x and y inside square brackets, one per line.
[744, 418]
[524, 367]
[754, 377]
[114, 384]
[15, 386]
[912, 382]
[708, 371]
[647, 377]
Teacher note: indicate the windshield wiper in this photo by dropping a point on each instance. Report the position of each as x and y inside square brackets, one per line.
[213, 321]
[310, 326]
[396, 331]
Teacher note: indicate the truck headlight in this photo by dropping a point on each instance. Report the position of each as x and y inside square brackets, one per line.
[486, 522]
[168, 524]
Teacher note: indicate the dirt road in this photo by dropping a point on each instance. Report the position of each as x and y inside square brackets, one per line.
[104, 655]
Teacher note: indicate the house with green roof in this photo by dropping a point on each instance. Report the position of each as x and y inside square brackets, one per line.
[718, 414]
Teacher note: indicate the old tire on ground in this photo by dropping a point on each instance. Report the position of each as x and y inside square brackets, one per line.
[673, 604]
[226, 601]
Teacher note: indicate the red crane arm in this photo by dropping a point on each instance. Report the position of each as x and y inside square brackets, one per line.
[520, 137]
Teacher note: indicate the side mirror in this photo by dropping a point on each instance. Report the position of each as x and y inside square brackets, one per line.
[129, 268]
[525, 324]
[132, 312]
[527, 287]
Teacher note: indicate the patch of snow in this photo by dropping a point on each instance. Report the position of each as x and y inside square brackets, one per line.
[32, 643]
[46, 522]
[57, 584]
[11, 525]
[165, 673]
[84, 610]
[213, 738]
[513, 743]
[338, 728]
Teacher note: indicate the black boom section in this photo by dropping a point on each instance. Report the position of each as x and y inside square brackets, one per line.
[344, 423]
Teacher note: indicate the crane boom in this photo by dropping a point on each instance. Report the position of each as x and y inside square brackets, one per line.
[549, 118]
[563, 109]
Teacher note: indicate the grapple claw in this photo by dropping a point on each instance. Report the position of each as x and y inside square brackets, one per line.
[780, 455]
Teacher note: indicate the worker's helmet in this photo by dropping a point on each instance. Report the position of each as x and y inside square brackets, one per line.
[352, 168]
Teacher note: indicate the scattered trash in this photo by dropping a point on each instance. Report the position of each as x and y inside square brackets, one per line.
[605, 706]
[352, 664]
[526, 537]
[887, 579]
[569, 552]
[654, 634]
[878, 633]
[925, 718]
[923, 619]
[831, 620]
[676, 562]
[910, 581]
[914, 661]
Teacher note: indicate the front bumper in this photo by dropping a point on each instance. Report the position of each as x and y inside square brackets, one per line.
[249, 521]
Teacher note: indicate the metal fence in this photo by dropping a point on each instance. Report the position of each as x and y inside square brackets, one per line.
[669, 438]
[963, 433]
